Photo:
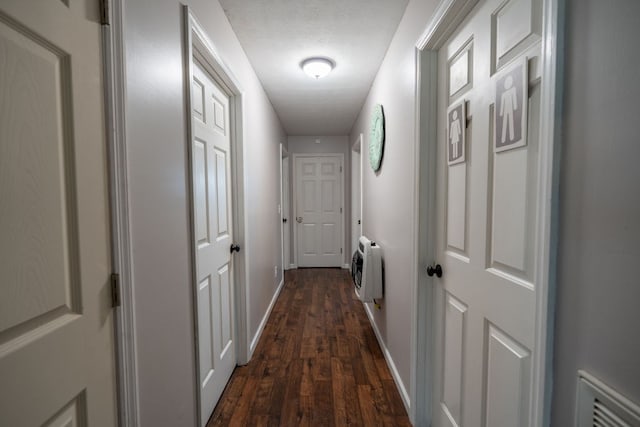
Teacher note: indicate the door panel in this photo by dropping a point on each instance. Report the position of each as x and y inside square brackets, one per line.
[309, 245]
[485, 226]
[308, 197]
[37, 194]
[205, 334]
[319, 208]
[516, 26]
[223, 198]
[507, 386]
[200, 192]
[70, 416]
[328, 196]
[225, 312]
[329, 234]
[56, 331]
[457, 207]
[212, 228]
[455, 319]
[512, 178]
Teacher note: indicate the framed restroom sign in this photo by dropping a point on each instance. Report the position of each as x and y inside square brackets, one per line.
[456, 130]
[510, 108]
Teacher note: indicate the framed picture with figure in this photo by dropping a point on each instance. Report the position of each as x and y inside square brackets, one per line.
[456, 130]
[510, 108]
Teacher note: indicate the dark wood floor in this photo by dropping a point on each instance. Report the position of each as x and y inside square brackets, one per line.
[318, 363]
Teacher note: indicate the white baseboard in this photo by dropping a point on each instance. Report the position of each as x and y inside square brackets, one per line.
[346, 266]
[392, 366]
[293, 266]
[258, 334]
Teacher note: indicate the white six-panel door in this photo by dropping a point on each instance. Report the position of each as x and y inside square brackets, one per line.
[57, 359]
[486, 226]
[318, 211]
[213, 237]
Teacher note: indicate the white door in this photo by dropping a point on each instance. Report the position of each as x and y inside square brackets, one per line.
[486, 224]
[286, 212]
[57, 364]
[210, 152]
[356, 198]
[318, 211]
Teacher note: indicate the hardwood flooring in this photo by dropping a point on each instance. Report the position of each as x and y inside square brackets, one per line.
[318, 363]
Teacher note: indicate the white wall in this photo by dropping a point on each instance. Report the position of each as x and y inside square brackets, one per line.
[328, 144]
[158, 179]
[597, 313]
[388, 196]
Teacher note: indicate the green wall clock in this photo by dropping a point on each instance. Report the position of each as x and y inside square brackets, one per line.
[376, 140]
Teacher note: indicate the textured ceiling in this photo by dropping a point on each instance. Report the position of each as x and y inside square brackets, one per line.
[277, 35]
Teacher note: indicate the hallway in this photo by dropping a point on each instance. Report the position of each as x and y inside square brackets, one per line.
[183, 184]
[318, 363]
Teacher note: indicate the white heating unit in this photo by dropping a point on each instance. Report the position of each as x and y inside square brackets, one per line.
[366, 270]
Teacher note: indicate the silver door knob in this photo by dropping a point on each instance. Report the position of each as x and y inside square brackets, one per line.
[299, 219]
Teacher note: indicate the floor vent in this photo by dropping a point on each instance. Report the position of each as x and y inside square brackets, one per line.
[601, 406]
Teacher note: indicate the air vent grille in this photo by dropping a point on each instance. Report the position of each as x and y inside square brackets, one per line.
[603, 417]
[601, 406]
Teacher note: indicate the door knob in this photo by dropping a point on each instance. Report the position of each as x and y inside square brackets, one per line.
[437, 270]
[234, 248]
[284, 220]
[299, 219]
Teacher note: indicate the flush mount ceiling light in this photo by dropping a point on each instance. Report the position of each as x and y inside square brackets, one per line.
[317, 67]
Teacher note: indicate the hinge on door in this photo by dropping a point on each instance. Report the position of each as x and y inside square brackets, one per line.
[104, 12]
[115, 290]
[341, 169]
[340, 210]
[340, 250]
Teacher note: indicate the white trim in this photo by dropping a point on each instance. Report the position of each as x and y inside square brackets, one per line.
[284, 154]
[281, 210]
[362, 165]
[265, 318]
[424, 253]
[198, 45]
[293, 266]
[358, 147]
[447, 17]
[122, 264]
[296, 156]
[347, 266]
[390, 363]
[444, 21]
[547, 207]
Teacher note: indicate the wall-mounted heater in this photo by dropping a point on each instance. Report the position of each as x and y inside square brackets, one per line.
[366, 270]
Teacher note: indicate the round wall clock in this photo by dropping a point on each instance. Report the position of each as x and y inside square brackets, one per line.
[376, 141]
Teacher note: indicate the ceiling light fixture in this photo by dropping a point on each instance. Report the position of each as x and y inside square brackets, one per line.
[317, 67]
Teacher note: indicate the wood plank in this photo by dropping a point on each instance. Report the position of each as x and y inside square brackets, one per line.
[322, 403]
[370, 415]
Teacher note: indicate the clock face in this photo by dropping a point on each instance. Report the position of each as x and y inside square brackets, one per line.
[376, 141]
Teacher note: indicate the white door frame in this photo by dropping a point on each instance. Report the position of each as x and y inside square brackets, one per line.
[447, 17]
[357, 147]
[284, 210]
[297, 156]
[115, 110]
[198, 44]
